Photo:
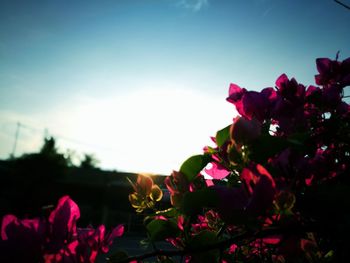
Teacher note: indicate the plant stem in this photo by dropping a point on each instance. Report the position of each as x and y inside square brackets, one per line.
[222, 244]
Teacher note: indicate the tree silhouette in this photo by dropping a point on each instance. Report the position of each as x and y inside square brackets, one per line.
[89, 161]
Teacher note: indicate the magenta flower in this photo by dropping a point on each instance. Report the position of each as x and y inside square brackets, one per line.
[92, 241]
[261, 187]
[66, 254]
[333, 72]
[217, 171]
[249, 104]
[63, 221]
[290, 89]
[313, 95]
[55, 240]
[21, 239]
[177, 185]
[331, 96]
[254, 197]
[235, 93]
[327, 71]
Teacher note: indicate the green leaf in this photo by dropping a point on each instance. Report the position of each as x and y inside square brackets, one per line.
[193, 202]
[193, 165]
[223, 135]
[202, 240]
[162, 229]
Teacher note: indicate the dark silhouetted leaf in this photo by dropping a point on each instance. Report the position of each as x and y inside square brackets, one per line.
[193, 165]
[162, 229]
[222, 136]
[193, 202]
[202, 240]
[265, 147]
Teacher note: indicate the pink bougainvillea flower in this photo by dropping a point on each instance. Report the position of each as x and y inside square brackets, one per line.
[66, 254]
[56, 240]
[286, 87]
[333, 72]
[235, 93]
[331, 96]
[288, 110]
[235, 97]
[254, 105]
[85, 248]
[290, 89]
[97, 240]
[143, 184]
[249, 104]
[209, 182]
[327, 71]
[21, 239]
[216, 171]
[272, 240]
[345, 72]
[343, 109]
[271, 96]
[244, 131]
[232, 249]
[63, 221]
[177, 185]
[282, 82]
[261, 187]
[313, 95]
[146, 193]
[12, 227]
[255, 195]
[289, 114]
[209, 221]
[118, 231]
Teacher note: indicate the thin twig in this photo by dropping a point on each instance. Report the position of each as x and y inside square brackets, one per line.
[342, 4]
[222, 244]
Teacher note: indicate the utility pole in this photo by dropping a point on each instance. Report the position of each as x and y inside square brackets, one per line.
[16, 139]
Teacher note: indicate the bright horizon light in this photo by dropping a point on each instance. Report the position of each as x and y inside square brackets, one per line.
[153, 130]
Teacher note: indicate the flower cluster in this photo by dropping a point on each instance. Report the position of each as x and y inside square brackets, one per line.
[274, 188]
[54, 240]
[146, 193]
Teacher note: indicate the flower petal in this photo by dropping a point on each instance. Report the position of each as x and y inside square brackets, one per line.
[63, 219]
[156, 193]
[217, 171]
[281, 81]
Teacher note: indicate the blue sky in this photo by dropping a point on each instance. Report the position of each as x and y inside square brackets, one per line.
[142, 83]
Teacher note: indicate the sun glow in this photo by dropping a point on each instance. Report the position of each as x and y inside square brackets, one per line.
[151, 130]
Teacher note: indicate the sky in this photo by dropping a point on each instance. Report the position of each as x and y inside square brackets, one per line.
[142, 84]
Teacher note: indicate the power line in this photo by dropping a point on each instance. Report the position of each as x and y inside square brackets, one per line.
[342, 4]
[46, 133]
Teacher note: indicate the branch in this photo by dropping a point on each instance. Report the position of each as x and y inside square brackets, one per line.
[222, 244]
[342, 4]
